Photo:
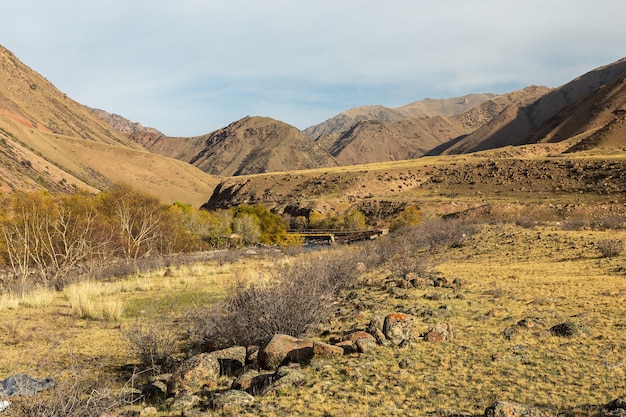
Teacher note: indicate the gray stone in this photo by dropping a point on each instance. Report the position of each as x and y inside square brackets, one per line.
[193, 374]
[232, 400]
[24, 385]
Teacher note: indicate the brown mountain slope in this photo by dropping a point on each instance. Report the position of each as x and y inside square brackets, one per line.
[516, 125]
[248, 146]
[48, 141]
[429, 107]
[375, 141]
[596, 120]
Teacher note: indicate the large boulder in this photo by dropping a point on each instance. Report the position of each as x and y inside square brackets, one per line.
[512, 409]
[193, 374]
[399, 327]
[283, 348]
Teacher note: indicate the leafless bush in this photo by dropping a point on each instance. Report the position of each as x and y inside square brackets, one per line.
[610, 248]
[611, 223]
[410, 249]
[574, 224]
[526, 222]
[453, 232]
[155, 342]
[296, 297]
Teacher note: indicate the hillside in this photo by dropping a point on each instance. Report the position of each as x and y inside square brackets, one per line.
[596, 120]
[373, 140]
[429, 107]
[49, 141]
[521, 123]
[248, 146]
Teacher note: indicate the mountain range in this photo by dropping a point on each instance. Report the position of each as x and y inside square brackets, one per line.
[49, 141]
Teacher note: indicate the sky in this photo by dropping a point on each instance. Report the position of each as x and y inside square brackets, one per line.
[189, 67]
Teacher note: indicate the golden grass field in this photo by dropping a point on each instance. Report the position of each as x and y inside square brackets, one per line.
[545, 274]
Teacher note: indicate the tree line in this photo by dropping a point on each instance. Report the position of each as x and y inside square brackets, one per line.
[50, 239]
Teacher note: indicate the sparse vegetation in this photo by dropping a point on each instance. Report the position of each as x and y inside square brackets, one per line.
[610, 248]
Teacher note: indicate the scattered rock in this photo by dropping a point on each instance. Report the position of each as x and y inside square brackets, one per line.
[569, 329]
[231, 360]
[325, 350]
[347, 346]
[183, 402]
[232, 400]
[442, 332]
[253, 381]
[283, 348]
[358, 334]
[286, 377]
[398, 327]
[193, 374]
[375, 328]
[148, 411]
[24, 385]
[526, 323]
[405, 363]
[510, 332]
[364, 345]
[512, 409]
[451, 413]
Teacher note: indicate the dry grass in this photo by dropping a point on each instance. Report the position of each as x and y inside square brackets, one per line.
[546, 274]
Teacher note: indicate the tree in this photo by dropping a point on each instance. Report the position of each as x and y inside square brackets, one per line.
[354, 220]
[137, 220]
[247, 226]
[410, 216]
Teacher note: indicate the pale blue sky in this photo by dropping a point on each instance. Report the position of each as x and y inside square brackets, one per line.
[188, 67]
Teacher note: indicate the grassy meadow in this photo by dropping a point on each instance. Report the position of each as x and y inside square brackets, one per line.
[543, 272]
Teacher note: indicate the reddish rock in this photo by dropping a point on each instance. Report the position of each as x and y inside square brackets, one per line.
[398, 327]
[347, 346]
[359, 334]
[442, 332]
[364, 345]
[325, 350]
[283, 348]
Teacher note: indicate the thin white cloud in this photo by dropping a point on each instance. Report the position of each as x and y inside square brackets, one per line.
[188, 67]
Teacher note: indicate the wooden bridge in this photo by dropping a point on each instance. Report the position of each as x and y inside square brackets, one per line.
[332, 236]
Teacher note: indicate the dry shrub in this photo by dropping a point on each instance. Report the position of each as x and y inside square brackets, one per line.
[610, 248]
[526, 222]
[574, 224]
[155, 342]
[410, 249]
[611, 223]
[294, 298]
